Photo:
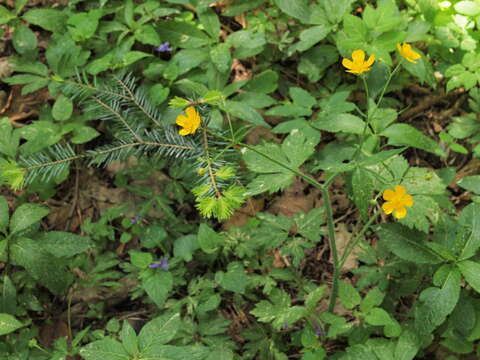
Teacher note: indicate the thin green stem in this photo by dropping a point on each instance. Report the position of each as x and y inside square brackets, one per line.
[333, 248]
[353, 243]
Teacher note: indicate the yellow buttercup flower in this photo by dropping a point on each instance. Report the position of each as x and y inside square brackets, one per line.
[189, 123]
[407, 53]
[396, 200]
[358, 65]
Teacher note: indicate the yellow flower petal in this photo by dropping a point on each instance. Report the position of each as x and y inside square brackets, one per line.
[407, 200]
[358, 56]
[388, 195]
[400, 190]
[181, 120]
[348, 63]
[388, 207]
[400, 213]
[370, 61]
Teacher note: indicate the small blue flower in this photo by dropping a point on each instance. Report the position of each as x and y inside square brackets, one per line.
[164, 47]
[285, 326]
[318, 332]
[162, 264]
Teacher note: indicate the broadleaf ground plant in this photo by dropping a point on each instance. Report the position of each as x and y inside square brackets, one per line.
[257, 179]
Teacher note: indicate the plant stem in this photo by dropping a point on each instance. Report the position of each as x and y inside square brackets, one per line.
[353, 243]
[333, 248]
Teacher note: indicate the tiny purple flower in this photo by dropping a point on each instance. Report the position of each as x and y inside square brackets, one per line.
[285, 326]
[162, 264]
[318, 331]
[136, 219]
[164, 47]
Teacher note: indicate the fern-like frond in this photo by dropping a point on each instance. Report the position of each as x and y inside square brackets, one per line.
[47, 164]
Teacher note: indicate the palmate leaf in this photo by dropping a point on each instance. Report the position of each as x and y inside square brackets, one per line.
[294, 151]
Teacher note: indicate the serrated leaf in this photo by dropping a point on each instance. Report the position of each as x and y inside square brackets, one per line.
[409, 245]
[159, 331]
[244, 112]
[470, 221]
[379, 317]
[234, 279]
[348, 295]
[346, 123]
[62, 109]
[362, 187]
[26, 215]
[470, 183]
[470, 271]
[44, 268]
[64, 244]
[437, 303]
[106, 348]
[404, 134]
[185, 246]
[157, 286]
[221, 57]
[209, 240]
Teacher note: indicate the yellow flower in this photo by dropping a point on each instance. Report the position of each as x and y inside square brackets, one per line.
[358, 65]
[189, 123]
[406, 52]
[396, 202]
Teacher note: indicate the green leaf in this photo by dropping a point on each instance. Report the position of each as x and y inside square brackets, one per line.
[47, 270]
[129, 338]
[62, 109]
[8, 324]
[470, 183]
[159, 331]
[298, 9]
[147, 34]
[294, 151]
[64, 244]
[24, 40]
[346, 123]
[470, 8]
[470, 221]
[64, 56]
[362, 187]
[209, 19]
[373, 298]
[302, 97]
[9, 139]
[310, 225]
[379, 317]
[409, 245]
[348, 295]
[185, 246]
[310, 37]
[48, 19]
[82, 26]
[26, 215]
[158, 285]
[470, 271]
[314, 297]
[8, 299]
[209, 240]
[437, 303]
[182, 34]
[221, 57]
[140, 259]
[244, 112]
[265, 82]
[407, 346]
[234, 279]
[83, 134]
[315, 62]
[5, 15]
[104, 349]
[404, 134]
[220, 353]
